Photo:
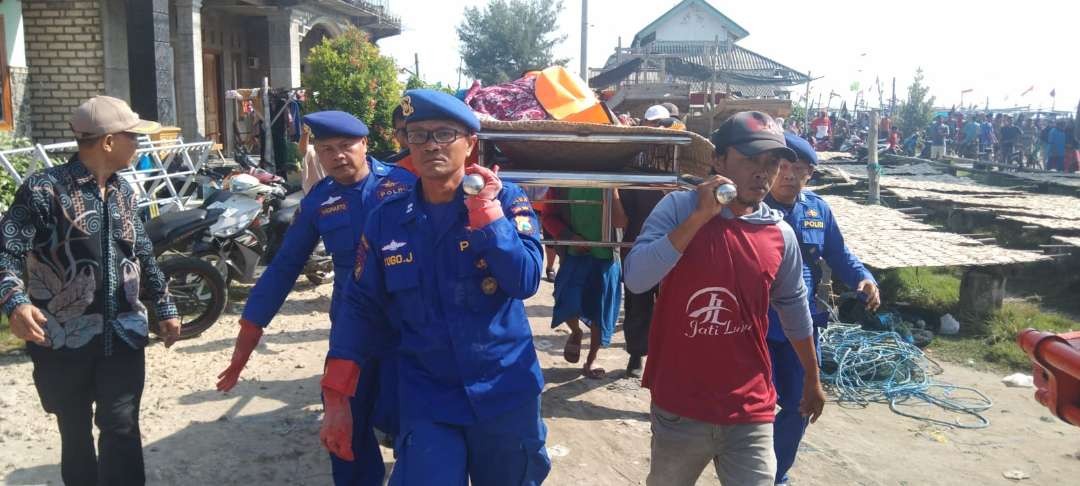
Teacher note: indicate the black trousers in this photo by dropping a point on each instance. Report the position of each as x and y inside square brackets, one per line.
[638, 314]
[69, 382]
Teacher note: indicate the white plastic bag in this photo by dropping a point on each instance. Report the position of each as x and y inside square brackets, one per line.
[1018, 380]
[949, 325]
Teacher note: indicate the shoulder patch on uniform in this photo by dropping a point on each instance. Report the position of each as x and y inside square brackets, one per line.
[389, 187]
[812, 213]
[361, 257]
[524, 225]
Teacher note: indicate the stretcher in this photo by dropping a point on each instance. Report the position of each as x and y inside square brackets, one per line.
[584, 155]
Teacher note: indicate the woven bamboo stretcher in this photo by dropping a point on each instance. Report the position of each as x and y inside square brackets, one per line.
[589, 147]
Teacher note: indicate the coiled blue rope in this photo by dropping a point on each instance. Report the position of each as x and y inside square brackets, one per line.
[862, 367]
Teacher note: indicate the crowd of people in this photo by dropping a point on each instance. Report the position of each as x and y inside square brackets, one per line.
[430, 348]
[1023, 140]
[1031, 141]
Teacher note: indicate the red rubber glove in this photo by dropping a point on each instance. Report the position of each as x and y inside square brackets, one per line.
[245, 343]
[338, 384]
[483, 207]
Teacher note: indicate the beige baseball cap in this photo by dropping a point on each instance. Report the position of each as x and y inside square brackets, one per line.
[103, 115]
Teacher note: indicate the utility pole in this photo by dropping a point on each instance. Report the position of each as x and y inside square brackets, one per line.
[585, 40]
[892, 105]
[872, 168]
[806, 122]
[416, 65]
[460, 67]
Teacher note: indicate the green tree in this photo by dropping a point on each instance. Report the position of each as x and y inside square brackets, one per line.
[19, 162]
[508, 38]
[417, 83]
[348, 73]
[917, 111]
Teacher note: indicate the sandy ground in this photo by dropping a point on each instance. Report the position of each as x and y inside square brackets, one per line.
[265, 431]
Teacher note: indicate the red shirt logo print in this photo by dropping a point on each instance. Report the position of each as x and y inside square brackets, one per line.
[712, 312]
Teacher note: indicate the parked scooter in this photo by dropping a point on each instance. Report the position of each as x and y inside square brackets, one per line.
[320, 266]
[233, 244]
[197, 287]
[260, 215]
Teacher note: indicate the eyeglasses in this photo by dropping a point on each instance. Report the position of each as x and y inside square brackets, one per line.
[441, 136]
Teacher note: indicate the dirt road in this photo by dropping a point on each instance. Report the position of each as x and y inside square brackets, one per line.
[265, 430]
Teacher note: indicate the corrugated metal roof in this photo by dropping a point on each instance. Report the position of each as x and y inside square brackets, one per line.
[696, 60]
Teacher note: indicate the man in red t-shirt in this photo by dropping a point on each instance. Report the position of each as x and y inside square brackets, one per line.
[821, 127]
[720, 267]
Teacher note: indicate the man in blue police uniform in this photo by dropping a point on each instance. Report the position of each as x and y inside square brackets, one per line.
[820, 239]
[335, 210]
[448, 273]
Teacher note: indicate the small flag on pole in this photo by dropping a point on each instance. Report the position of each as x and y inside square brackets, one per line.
[1053, 93]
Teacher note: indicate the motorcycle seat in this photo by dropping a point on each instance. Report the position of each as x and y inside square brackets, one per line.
[284, 216]
[292, 199]
[170, 226]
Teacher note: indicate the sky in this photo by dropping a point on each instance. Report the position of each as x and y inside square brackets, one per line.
[997, 52]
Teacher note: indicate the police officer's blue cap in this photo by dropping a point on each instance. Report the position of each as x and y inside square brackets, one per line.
[802, 148]
[426, 104]
[329, 124]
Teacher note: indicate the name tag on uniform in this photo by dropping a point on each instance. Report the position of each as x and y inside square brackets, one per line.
[398, 259]
[813, 224]
[336, 208]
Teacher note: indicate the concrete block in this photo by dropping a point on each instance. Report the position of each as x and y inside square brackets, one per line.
[982, 291]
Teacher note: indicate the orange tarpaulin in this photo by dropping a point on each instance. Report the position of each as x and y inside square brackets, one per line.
[566, 97]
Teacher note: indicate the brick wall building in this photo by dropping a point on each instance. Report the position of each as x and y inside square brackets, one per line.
[173, 60]
[65, 55]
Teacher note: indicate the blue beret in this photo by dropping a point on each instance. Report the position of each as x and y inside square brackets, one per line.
[426, 104]
[328, 124]
[802, 148]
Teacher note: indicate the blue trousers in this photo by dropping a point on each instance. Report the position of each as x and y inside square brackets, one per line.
[500, 451]
[789, 426]
[367, 469]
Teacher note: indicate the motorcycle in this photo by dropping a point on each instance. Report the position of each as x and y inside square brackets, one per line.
[233, 244]
[320, 266]
[260, 212]
[199, 291]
